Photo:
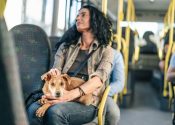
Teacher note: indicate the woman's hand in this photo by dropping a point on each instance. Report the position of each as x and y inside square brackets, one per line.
[52, 72]
[68, 96]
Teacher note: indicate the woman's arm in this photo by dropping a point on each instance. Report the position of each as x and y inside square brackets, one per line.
[91, 85]
[101, 74]
[60, 57]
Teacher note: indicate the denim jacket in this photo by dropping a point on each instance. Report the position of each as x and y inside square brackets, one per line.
[99, 64]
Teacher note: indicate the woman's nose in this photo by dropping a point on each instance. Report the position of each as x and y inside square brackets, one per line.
[77, 18]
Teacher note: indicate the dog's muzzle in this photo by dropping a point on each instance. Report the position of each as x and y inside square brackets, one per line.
[57, 94]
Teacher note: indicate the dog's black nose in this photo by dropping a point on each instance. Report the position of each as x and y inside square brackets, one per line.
[58, 94]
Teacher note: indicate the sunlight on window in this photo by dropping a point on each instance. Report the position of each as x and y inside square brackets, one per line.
[34, 9]
[61, 14]
[13, 13]
[74, 11]
[49, 11]
[142, 27]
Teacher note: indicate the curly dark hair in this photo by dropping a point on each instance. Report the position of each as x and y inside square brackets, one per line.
[100, 25]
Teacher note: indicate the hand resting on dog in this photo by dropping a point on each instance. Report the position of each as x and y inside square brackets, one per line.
[61, 88]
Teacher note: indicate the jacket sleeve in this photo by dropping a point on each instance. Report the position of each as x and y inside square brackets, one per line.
[104, 68]
[60, 57]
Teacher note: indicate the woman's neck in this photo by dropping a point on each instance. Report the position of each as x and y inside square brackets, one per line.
[86, 40]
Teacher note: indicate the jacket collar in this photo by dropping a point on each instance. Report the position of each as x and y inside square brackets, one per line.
[94, 45]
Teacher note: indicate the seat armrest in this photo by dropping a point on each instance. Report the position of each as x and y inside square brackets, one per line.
[115, 97]
[102, 105]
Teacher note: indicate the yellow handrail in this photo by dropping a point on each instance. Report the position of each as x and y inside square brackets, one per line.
[120, 19]
[127, 38]
[136, 54]
[2, 7]
[171, 17]
[105, 95]
[115, 97]
[102, 105]
[104, 6]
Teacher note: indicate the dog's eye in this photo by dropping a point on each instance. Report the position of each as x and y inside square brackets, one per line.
[62, 83]
[52, 84]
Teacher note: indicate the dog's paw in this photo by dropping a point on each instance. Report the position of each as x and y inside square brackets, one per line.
[40, 112]
[43, 101]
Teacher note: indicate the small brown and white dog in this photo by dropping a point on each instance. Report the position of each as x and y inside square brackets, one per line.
[56, 86]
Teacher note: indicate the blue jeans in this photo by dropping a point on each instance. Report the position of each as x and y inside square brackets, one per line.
[67, 113]
[112, 116]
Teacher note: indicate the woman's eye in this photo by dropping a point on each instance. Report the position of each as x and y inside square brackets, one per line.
[77, 16]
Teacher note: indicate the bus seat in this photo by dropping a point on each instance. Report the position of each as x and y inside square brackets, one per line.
[34, 53]
[12, 107]
[54, 40]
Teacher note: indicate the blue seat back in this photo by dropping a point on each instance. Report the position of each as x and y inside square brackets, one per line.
[34, 52]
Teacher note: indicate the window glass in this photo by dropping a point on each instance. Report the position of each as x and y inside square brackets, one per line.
[13, 13]
[34, 10]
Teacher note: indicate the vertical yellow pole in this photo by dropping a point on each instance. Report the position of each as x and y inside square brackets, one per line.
[2, 7]
[137, 49]
[120, 19]
[171, 16]
[126, 53]
[102, 104]
[104, 6]
[165, 20]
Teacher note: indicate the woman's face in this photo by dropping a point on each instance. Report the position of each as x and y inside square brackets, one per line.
[83, 20]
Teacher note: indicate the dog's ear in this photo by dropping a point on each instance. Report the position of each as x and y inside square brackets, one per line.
[46, 76]
[66, 78]
[49, 77]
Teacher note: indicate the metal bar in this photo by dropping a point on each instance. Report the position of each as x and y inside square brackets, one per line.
[120, 19]
[2, 7]
[43, 10]
[104, 6]
[167, 58]
[55, 17]
[126, 53]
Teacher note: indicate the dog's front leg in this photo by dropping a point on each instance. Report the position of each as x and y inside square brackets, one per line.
[41, 111]
[43, 101]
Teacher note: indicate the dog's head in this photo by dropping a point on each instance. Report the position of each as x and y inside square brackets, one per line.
[56, 85]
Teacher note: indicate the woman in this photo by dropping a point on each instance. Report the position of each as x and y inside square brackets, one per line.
[93, 33]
